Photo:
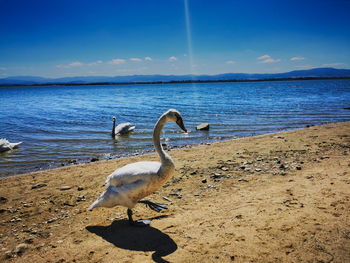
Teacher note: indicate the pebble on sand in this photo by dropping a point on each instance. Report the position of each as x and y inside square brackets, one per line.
[3, 199]
[63, 188]
[38, 186]
[19, 250]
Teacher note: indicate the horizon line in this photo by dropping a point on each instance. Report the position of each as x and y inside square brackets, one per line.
[157, 74]
[175, 82]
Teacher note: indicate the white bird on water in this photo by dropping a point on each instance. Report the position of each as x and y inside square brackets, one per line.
[129, 184]
[5, 145]
[122, 128]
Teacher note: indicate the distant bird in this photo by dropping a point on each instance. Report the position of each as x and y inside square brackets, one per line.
[5, 145]
[122, 128]
[129, 184]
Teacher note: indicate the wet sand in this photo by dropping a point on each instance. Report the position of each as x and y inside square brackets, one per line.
[281, 197]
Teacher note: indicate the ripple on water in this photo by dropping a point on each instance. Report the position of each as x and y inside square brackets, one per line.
[59, 124]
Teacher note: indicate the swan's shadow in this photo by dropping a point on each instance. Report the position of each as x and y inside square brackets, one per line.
[121, 234]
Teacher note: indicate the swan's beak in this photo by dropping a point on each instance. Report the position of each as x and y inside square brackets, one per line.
[181, 124]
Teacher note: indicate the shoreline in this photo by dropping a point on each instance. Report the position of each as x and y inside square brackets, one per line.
[98, 157]
[276, 197]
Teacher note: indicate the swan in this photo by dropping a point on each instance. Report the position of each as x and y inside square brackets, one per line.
[5, 145]
[122, 128]
[127, 185]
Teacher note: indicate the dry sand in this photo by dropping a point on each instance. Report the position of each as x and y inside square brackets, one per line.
[275, 198]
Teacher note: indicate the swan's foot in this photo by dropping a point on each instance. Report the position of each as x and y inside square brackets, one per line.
[154, 206]
[140, 222]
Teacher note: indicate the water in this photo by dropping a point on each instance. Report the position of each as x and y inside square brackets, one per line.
[62, 123]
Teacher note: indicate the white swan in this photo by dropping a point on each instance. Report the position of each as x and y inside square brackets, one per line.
[130, 183]
[5, 145]
[122, 128]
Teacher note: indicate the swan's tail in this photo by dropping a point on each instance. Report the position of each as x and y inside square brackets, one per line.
[10, 145]
[108, 198]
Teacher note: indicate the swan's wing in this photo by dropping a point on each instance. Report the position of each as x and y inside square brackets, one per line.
[131, 128]
[5, 145]
[133, 172]
[4, 142]
[123, 128]
[123, 195]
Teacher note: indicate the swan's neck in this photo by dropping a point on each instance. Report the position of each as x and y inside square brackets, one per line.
[113, 129]
[164, 157]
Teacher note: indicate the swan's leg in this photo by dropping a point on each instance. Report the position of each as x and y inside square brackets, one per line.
[141, 222]
[154, 206]
[131, 221]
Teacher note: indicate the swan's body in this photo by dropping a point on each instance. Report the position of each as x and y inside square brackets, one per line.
[5, 145]
[122, 128]
[130, 183]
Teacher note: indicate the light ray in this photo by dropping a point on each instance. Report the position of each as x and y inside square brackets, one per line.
[189, 38]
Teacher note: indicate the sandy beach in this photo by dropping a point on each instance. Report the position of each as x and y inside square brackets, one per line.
[281, 197]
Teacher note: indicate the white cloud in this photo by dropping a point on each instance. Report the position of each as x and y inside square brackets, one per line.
[337, 64]
[269, 60]
[296, 58]
[148, 59]
[79, 64]
[76, 64]
[117, 61]
[136, 59]
[71, 65]
[95, 63]
[265, 59]
[172, 59]
[230, 62]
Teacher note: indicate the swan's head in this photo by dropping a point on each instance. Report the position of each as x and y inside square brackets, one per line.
[114, 119]
[175, 116]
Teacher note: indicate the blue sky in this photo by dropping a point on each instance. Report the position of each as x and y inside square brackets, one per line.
[110, 37]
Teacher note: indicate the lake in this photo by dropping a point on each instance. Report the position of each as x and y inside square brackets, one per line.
[67, 124]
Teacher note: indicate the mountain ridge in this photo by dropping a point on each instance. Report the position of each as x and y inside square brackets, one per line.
[308, 73]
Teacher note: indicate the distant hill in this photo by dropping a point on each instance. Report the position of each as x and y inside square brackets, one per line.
[309, 73]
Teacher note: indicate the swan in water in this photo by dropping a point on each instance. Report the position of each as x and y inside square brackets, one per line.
[129, 184]
[5, 145]
[122, 128]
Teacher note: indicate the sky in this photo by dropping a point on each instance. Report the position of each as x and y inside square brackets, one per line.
[62, 38]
